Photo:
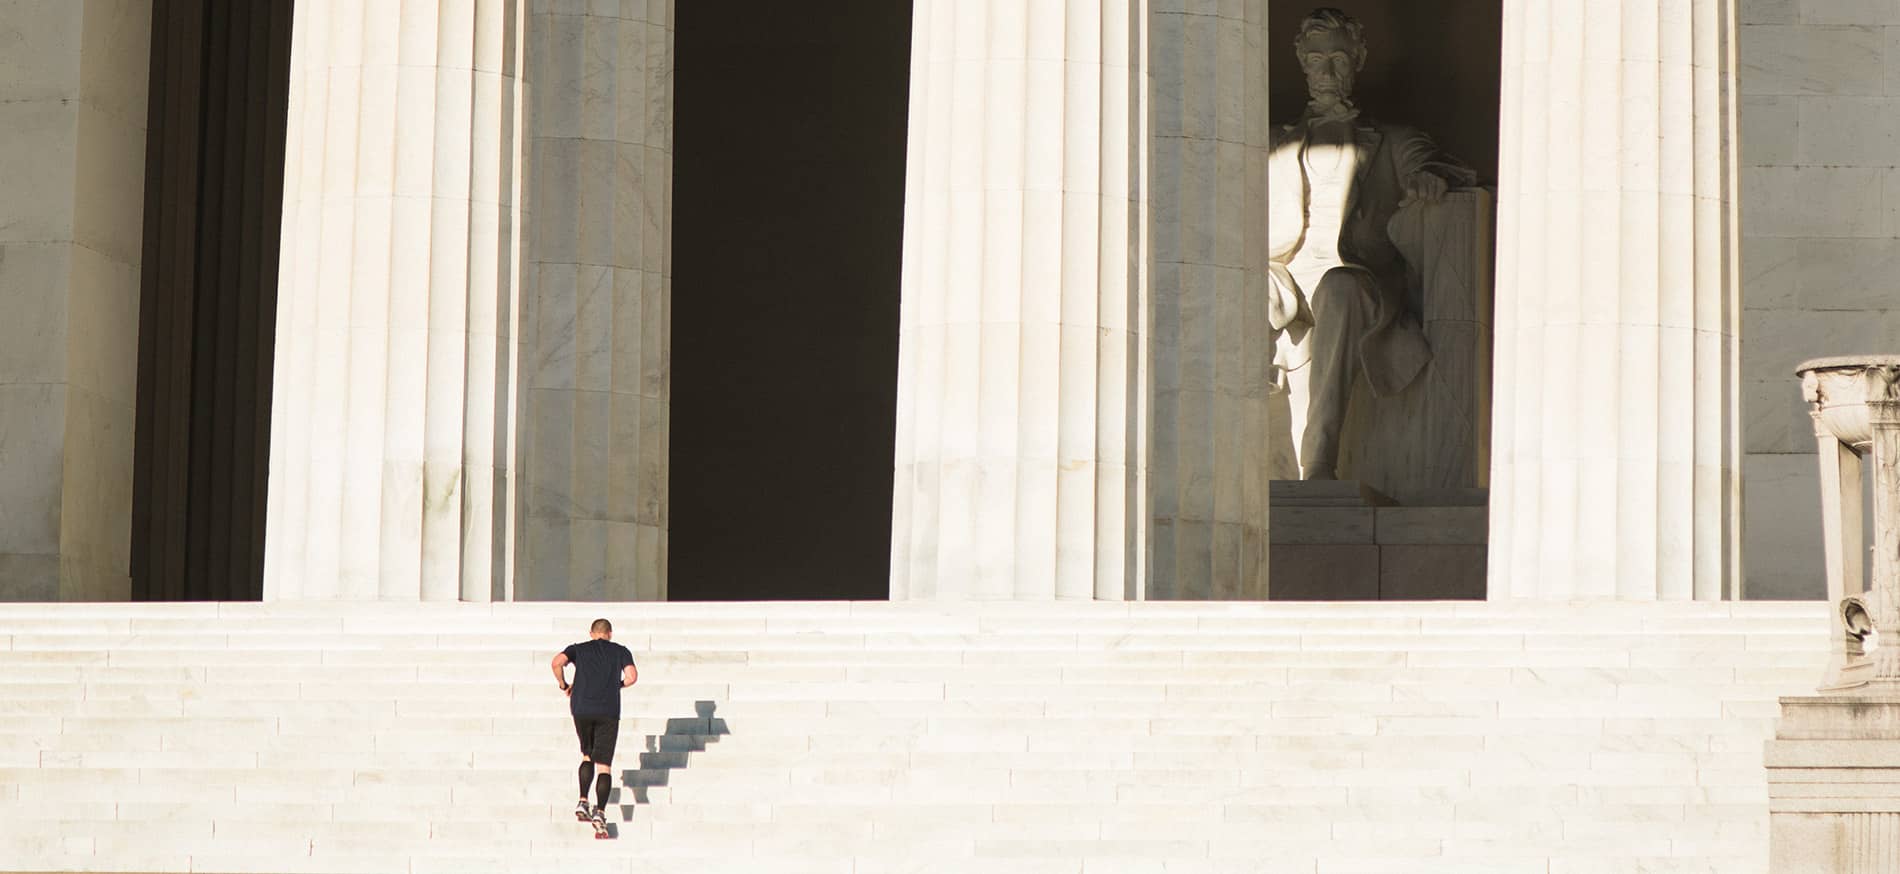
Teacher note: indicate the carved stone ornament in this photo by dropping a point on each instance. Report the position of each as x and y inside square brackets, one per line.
[1855, 404]
[1833, 766]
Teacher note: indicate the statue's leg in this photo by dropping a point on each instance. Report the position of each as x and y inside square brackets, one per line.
[1299, 395]
[1343, 306]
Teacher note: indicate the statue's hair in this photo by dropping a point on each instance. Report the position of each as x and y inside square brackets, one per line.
[1328, 18]
[601, 626]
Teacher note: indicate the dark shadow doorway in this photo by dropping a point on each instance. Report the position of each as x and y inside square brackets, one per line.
[214, 185]
[788, 199]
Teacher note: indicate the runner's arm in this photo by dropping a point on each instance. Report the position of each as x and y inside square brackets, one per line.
[629, 676]
[560, 669]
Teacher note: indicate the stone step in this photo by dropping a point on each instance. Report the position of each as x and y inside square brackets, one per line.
[860, 738]
[761, 650]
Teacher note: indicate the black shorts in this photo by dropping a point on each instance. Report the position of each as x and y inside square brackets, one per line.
[598, 735]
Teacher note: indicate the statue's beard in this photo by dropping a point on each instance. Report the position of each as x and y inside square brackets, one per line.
[1334, 103]
[1325, 93]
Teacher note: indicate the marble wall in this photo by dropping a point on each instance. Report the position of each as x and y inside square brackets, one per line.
[598, 313]
[1820, 182]
[72, 142]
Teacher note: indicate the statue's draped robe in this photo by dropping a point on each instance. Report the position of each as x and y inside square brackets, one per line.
[1392, 350]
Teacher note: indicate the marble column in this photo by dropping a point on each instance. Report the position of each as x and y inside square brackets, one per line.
[1211, 344]
[1614, 431]
[72, 142]
[392, 428]
[1019, 468]
[597, 321]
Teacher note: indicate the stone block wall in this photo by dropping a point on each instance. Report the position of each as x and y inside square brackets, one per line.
[1368, 553]
[72, 168]
[1820, 181]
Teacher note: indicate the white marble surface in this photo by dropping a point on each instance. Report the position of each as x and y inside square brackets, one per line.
[1615, 448]
[1019, 458]
[392, 435]
[1209, 341]
[72, 142]
[1819, 84]
[597, 329]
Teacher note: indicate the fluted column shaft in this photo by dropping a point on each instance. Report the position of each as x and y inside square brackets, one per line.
[1615, 446]
[597, 317]
[391, 442]
[1018, 463]
[1211, 342]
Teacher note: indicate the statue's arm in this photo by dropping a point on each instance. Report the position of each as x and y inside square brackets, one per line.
[1416, 152]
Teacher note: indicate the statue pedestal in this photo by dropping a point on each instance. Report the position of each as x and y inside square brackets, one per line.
[1341, 540]
[1834, 784]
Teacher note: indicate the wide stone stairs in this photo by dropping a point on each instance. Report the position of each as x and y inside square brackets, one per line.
[852, 738]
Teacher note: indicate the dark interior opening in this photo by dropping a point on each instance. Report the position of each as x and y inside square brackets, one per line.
[788, 198]
[214, 184]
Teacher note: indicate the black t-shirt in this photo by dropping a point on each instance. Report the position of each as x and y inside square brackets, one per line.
[597, 668]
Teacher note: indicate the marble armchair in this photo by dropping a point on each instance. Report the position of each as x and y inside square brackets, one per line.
[1434, 437]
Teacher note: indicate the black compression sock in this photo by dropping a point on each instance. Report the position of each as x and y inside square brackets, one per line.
[587, 770]
[602, 785]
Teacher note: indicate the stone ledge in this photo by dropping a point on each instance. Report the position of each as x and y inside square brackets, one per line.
[1872, 760]
[1839, 717]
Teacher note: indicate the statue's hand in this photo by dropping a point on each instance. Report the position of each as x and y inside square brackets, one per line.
[1426, 186]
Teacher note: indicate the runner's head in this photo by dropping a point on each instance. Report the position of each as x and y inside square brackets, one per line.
[602, 630]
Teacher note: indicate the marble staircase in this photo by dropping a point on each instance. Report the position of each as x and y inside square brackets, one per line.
[861, 738]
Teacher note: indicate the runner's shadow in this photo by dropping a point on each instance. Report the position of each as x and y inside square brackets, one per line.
[666, 753]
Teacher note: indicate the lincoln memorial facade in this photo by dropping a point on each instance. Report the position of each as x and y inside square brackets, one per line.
[1160, 436]
[379, 300]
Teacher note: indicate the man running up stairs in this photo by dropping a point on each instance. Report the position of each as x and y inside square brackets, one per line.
[601, 669]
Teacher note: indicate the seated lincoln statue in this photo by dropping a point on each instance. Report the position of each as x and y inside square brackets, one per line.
[1337, 284]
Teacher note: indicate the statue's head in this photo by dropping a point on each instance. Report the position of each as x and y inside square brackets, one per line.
[1332, 49]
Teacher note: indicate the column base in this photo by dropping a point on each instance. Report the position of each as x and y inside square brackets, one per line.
[1834, 784]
